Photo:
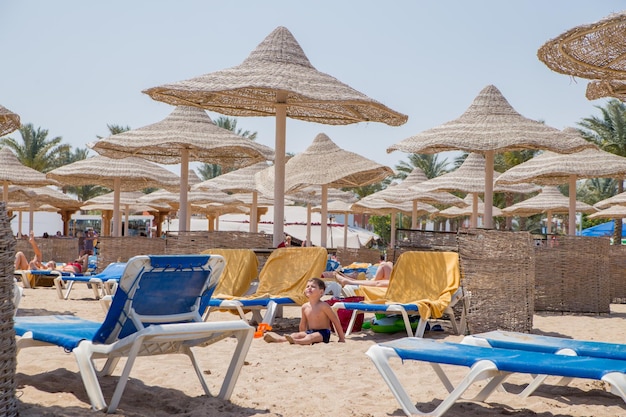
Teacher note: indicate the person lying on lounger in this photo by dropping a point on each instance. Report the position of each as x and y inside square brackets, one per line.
[317, 317]
[36, 264]
[381, 279]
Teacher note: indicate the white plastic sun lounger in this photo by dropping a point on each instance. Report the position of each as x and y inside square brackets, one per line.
[484, 363]
[155, 311]
[547, 344]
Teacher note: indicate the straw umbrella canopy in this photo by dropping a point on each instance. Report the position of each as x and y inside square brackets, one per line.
[402, 192]
[616, 200]
[489, 125]
[239, 181]
[187, 134]
[596, 51]
[550, 201]
[9, 121]
[452, 212]
[470, 178]
[336, 198]
[373, 204]
[278, 80]
[613, 212]
[127, 174]
[335, 207]
[65, 204]
[13, 172]
[553, 169]
[325, 164]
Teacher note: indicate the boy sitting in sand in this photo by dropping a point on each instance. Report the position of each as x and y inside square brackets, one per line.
[317, 317]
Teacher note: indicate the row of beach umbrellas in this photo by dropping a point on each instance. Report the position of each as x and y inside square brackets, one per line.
[256, 87]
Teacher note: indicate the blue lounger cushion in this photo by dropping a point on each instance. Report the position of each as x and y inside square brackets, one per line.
[551, 344]
[495, 364]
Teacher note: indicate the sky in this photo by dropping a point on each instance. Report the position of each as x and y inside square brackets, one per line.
[73, 67]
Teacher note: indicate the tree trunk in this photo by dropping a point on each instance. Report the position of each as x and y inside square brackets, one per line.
[617, 230]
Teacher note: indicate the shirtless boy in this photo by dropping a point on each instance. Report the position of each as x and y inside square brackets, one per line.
[317, 317]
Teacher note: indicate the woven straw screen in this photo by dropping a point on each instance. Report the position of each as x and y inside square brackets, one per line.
[617, 271]
[573, 275]
[423, 240]
[121, 249]
[8, 352]
[346, 256]
[52, 249]
[498, 275]
[196, 242]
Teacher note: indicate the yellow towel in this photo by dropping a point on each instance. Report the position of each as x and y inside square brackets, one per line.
[428, 279]
[287, 270]
[241, 268]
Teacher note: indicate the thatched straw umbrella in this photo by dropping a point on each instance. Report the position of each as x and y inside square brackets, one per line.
[326, 165]
[595, 51]
[467, 211]
[549, 201]
[372, 204]
[613, 212]
[489, 125]
[550, 168]
[187, 134]
[403, 192]
[9, 121]
[278, 80]
[239, 181]
[37, 197]
[127, 174]
[13, 172]
[470, 178]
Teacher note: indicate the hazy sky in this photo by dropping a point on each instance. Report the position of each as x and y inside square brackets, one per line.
[73, 67]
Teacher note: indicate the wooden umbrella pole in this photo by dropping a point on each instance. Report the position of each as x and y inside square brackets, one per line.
[279, 173]
[488, 215]
[324, 213]
[571, 229]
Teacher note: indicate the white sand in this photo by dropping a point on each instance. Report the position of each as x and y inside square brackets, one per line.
[289, 380]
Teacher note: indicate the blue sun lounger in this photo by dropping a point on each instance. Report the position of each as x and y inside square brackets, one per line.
[102, 283]
[547, 344]
[155, 311]
[485, 363]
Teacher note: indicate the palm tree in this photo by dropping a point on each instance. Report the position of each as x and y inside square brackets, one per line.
[208, 171]
[429, 163]
[609, 133]
[35, 150]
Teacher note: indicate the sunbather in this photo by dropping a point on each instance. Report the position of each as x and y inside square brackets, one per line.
[36, 264]
[381, 279]
[317, 317]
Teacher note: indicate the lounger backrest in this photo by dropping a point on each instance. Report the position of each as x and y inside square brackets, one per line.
[287, 270]
[241, 268]
[418, 276]
[160, 289]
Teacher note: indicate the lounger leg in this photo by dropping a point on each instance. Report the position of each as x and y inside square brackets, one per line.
[353, 317]
[244, 340]
[121, 383]
[58, 284]
[380, 355]
[617, 382]
[270, 313]
[88, 375]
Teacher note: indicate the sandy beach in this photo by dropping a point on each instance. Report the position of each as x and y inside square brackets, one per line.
[284, 380]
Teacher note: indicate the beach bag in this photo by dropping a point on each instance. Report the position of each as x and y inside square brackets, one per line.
[344, 315]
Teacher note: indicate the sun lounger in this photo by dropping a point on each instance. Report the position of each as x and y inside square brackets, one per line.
[485, 363]
[424, 283]
[547, 344]
[241, 269]
[102, 284]
[281, 283]
[154, 311]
